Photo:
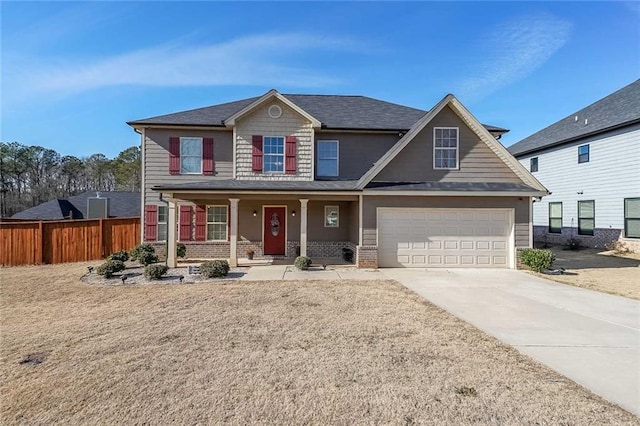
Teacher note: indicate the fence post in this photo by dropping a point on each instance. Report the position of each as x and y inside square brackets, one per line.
[40, 244]
[101, 238]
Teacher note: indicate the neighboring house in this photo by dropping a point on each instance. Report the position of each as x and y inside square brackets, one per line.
[590, 162]
[119, 204]
[316, 174]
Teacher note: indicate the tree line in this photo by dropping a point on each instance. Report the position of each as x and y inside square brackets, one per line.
[30, 175]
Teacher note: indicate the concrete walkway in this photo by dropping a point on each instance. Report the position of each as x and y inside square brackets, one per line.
[590, 337]
[289, 272]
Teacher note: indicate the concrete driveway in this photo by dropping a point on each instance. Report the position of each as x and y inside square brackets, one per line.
[590, 337]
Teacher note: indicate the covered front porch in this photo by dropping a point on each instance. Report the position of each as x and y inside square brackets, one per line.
[275, 227]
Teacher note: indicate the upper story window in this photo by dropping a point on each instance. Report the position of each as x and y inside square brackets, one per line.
[586, 217]
[583, 154]
[190, 155]
[327, 158]
[632, 217]
[217, 223]
[445, 148]
[273, 147]
[533, 164]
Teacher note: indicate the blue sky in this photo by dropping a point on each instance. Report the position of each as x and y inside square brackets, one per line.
[73, 73]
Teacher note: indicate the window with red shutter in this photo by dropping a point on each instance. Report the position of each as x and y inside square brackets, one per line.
[186, 219]
[174, 155]
[150, 222]
[256, 164]
[201, 223]
[207, 156]
[290, 155]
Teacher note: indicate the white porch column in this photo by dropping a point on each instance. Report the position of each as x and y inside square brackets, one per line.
[303, 227]
[233, 238]
[172, 228]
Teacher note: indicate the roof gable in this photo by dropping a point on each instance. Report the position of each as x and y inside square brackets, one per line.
[270, 95]
[615, 110]
[473, 124]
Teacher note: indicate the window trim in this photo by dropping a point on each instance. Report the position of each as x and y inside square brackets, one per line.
[226, 223]
[165, 223]
[531, 163]
[264, 154]
[626, 219]
[457, 166]
[588, 154]
[182, 156]
[580, 232]
[550, 228]
[337, 142]
[337, 208]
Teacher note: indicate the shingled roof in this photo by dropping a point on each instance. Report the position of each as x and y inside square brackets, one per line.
[333, 111]
[619, 109]
[121, 204]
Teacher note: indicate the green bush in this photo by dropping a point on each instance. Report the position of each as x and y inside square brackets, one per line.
[214, 268]
[155, 271]
[302, 263]
[137, 251]
[537, 259]
[121, 255]
[110, 267]
[146, 258]
[181, 250]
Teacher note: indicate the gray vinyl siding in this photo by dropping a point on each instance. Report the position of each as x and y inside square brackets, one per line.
[156, 155]
[520, 204]
[611, 175]
[357, 152]
[477, 162]
[316, 230]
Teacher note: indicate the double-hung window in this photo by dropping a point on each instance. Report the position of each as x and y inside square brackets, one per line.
[273, 147]
[555, 218]
[533, 164]
[586, 217]
[632, 217]
[331, 216]
[583, 154]
[190, 155]
[445, 148]
[327, 158]
[162, 223]
[217, 223]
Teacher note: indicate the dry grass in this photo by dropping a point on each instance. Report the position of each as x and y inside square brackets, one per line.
[601, 271]
[269, 352]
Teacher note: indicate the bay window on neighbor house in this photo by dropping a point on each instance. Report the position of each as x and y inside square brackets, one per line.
[162, 223]
[328, 158]
[632, 217]
[555, 218]
[445, 148]
[190, 155]
[586, 217]
[217, 220]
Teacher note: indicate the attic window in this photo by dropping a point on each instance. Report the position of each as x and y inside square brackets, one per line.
[275, 111]
[445, 148]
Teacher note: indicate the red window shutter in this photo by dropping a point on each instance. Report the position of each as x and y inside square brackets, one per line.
[201, 223]
[185, 223]
[256, 164]
[174, 156]
[207, 156]
[151, 222]
[290, 155]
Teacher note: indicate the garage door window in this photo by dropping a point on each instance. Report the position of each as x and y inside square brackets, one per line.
[445, 148]
[632, 217]
[586, 217]
[555, 218]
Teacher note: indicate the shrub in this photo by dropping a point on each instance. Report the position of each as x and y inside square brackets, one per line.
[214, 268]
[573, 244]
[302, 263]
[155, 271]
[146, 258]
[137, 251]
[537, 259]
[110, 267]
[121, 255]
[181, 250]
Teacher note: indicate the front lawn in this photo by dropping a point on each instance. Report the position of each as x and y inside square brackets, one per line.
[322, 352]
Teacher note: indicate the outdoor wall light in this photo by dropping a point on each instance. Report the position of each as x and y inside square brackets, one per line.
[255, 213]
[293, 212]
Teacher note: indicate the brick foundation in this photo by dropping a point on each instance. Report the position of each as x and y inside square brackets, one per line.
[329, 248]
[367, 257]
[600, 237]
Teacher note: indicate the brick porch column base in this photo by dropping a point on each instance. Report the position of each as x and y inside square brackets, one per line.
[367, 257]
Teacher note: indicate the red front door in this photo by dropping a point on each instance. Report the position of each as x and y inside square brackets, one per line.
[275, 223]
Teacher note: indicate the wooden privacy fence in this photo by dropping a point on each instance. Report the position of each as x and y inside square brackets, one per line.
[35, 243]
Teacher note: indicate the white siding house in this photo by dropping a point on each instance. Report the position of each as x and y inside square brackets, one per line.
[590, 156]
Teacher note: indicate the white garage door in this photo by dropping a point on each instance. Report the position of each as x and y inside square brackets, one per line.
[429, 238]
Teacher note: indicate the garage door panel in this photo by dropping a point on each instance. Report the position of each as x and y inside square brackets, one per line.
[443, 238]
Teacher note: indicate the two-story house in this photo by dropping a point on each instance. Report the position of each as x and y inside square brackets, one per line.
[313, 174]
[590, 162]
